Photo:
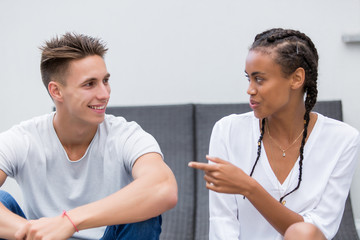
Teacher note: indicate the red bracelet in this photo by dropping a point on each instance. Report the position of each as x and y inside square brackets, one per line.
[65, 214]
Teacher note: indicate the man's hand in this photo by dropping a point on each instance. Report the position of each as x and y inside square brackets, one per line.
[46, 229]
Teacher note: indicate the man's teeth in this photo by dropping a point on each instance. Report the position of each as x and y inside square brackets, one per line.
[97, 108]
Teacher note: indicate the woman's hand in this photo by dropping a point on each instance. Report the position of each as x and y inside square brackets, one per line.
[224, 177]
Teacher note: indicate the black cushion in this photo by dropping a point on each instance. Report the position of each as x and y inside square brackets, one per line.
[172, 126]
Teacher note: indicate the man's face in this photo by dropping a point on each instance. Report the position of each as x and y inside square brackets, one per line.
[86, 91]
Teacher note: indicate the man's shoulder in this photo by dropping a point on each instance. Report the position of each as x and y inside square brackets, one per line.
[112, 122]
[109, 118]
[119, 125]
[37, 123]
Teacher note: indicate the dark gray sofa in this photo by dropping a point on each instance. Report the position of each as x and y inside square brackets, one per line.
[183, 132]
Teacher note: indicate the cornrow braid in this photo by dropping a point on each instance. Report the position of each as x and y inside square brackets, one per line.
[306, 123]
[259, 146]
[292, 49]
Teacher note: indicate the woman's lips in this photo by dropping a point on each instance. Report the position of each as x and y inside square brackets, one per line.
[254, 104]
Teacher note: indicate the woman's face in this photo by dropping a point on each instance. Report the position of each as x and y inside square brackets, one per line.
[269, 89]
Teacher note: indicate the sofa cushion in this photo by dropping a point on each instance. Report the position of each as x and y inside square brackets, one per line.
[332, 109]
[172, 126]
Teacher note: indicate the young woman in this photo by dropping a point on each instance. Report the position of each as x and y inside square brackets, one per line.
[281, 171]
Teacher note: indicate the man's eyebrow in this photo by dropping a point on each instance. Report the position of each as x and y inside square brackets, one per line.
[94, 79]
[89, 79]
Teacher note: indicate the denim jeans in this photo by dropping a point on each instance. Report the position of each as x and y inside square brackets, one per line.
[147, 230]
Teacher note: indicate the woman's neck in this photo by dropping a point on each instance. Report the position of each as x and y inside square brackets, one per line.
[286, 125]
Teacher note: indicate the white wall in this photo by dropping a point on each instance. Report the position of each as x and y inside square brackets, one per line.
[171, 51]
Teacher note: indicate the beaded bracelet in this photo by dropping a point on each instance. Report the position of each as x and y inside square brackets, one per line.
[65, 214]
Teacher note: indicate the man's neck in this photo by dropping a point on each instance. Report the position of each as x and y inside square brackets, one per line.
[75, 137]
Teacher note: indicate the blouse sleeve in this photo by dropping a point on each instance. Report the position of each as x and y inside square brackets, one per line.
[325, 215]
[224, 223]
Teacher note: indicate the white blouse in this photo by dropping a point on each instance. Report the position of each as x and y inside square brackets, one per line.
[330, 158]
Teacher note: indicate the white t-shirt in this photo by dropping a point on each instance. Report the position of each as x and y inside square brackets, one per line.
[32, 154]
[330, 157]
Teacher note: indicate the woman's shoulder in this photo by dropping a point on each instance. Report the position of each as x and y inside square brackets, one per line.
[335, 128]
[236, 122]
[235, 117]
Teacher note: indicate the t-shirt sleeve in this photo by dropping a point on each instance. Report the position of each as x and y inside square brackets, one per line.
[224, 223]
[135, 143]
[325, 215]
[13, 148]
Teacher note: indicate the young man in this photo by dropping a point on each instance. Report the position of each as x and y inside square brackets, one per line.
[80, 169]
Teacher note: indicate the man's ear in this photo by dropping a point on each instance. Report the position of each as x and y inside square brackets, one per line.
[298, 78]
[54, 89]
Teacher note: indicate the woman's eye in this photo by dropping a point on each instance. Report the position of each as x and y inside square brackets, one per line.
[257, 79]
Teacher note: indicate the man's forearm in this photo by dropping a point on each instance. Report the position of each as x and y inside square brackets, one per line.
[149, 195]
[9, 223]
[131, 204]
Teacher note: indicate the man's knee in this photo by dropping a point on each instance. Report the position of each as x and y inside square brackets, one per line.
[150, 228]
[10, 203]
[5, 197]
[303, 230]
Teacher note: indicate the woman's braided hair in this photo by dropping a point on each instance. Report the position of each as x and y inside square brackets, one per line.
[292, 50]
